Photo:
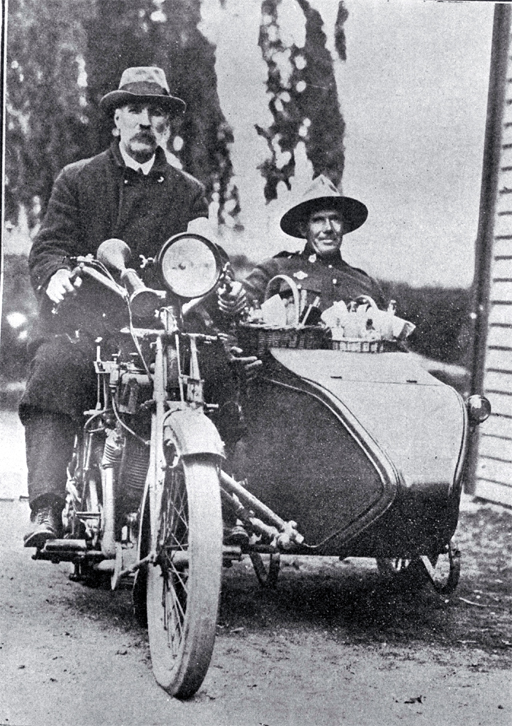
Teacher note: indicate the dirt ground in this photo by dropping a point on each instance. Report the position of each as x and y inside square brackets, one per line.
[334, 644]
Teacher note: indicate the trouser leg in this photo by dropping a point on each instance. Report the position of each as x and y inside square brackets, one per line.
[60, 386]
[49, 439]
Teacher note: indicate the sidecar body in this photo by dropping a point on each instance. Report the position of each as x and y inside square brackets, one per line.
[364, 451]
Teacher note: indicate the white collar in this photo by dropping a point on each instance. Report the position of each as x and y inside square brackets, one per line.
[129, 161]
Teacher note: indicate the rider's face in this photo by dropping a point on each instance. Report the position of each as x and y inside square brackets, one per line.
[324, 231]
[142, 127]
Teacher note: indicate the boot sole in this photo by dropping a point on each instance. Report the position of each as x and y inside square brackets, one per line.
[38, 539]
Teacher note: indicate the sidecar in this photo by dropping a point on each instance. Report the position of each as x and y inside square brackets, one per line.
[365, 452]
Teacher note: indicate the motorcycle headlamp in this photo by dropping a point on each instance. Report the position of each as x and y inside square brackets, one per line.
[191, 265]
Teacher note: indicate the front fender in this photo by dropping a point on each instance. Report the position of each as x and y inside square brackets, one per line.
[192, 431]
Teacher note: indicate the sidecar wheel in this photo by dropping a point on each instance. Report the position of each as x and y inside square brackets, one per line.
[443, 570]
[266, 572]
[183, 586]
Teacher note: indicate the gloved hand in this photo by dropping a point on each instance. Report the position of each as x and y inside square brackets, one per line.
[250, 365]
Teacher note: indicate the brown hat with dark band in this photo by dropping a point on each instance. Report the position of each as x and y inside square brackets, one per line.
[144, 83]
[322, 194]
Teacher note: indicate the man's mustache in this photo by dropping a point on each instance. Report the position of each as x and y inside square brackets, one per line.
[144, 136]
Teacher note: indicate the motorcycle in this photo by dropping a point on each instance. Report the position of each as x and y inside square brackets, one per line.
[377, 472]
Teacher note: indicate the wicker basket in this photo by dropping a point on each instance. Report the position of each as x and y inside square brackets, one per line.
[257, 339]
[360, 345]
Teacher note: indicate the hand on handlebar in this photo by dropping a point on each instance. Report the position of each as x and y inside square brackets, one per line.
[63, 283]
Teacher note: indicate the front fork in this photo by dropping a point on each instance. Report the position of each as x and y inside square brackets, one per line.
[281, 534]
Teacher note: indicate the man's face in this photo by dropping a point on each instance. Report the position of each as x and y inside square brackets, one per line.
[324, 231]
[142, 127]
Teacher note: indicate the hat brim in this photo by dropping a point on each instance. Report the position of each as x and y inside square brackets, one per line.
[175, 106]
[354, 214]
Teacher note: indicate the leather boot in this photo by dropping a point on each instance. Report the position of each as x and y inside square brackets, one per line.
[47, 521]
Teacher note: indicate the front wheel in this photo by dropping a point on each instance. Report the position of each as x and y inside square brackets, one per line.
[183, 585]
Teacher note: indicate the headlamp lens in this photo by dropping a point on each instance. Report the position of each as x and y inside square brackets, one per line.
[190, 265]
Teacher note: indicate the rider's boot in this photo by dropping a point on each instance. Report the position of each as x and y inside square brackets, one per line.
[46, 518]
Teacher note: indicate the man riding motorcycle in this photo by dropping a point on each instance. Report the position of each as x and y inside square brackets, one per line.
[130, 192]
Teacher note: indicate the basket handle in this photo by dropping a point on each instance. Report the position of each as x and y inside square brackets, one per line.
[273, 287]
[366, 300]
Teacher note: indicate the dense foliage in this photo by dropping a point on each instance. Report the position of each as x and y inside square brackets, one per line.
[303, 98]
[442, 319]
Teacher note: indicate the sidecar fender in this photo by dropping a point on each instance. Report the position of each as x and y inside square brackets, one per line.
[192, 432]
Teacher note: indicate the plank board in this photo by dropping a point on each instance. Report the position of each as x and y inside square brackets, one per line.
[498, 381]
[493, 492]
[500, 315]
[494, 470]
[496, 448]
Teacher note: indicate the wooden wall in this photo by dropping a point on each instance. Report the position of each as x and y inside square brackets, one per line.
[492, 364]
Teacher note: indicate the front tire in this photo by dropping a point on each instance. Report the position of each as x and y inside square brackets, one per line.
[183, 585]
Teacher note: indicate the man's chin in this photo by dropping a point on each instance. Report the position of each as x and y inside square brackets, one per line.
[328, 248]
[142, 153]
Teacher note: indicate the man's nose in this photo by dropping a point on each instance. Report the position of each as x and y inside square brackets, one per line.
[144, 117]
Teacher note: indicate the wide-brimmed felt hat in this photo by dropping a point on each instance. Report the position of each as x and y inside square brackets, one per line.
[322, 194]
[143, 83]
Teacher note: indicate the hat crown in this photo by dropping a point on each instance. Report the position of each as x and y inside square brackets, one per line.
[142, 83]
[321, 187]
[144, 75]
[322, 194]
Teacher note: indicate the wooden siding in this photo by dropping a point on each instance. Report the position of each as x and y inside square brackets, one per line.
[493, 460]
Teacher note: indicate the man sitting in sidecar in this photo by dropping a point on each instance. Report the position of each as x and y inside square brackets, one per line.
[323, 217]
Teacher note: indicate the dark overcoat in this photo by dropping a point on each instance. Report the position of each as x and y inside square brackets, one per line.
[93, 200]
[98, 198]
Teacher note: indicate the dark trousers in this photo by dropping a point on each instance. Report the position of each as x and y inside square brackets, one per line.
[49, 439]
[60, 386]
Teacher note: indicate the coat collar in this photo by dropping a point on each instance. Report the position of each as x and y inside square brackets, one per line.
[309, 254]
[159, 167]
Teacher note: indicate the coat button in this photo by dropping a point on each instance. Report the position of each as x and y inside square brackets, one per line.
[126, 181]
[160, 179]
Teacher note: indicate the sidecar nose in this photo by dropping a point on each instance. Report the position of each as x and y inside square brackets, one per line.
[479, 409]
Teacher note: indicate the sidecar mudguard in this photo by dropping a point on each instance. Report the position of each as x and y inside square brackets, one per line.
[363, 451]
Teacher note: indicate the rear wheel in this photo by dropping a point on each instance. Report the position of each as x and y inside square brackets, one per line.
[183, 586]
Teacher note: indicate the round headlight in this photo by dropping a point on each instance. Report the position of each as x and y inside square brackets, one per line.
[191, 265]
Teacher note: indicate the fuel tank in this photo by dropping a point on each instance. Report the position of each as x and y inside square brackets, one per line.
[364, 451]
